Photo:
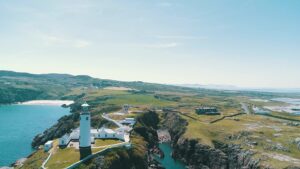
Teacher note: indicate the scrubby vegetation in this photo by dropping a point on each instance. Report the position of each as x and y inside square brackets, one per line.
[35, 160]
[143, 137]
[266, 136]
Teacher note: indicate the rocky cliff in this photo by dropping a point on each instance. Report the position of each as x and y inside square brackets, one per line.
[200, 156]
[143, 137]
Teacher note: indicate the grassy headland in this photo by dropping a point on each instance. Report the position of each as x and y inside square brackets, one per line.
[267, 136]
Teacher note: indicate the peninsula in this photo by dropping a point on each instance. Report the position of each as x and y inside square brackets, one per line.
[127, 126]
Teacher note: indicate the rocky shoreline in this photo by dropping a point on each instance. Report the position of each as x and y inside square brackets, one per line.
[199, 156]
[190, 151]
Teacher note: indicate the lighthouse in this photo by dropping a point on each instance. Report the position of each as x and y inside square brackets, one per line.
[85, 132]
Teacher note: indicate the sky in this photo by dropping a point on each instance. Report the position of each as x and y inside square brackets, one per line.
[246, 43]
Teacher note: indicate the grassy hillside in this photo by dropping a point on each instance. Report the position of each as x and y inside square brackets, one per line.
[269, 136]
[18, 87]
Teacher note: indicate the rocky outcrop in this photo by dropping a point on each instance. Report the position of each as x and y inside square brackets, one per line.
[200, 156]
[143, 137]
[238, 157]
[297, 142]
[223, 156]
[175, 125]
[146, 127]
[64, 125]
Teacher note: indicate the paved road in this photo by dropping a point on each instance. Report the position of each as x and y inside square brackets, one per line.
[114, 121]
[45, 162]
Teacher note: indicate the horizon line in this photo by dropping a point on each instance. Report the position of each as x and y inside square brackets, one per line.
[190, 85]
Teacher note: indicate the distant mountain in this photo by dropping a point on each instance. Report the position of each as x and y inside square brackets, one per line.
[236, 88]
[5, 73]
[20, 86]
[215, 87]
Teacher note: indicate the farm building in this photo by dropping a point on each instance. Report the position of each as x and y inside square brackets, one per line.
[207, 111]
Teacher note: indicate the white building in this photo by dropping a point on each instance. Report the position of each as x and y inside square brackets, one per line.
[105, 133]
[85, 127]
[102, 133]
[48, 145]
[128, 121]
[85, 132]
[125, 108]
[86, 136]
[73, 136]
[64, 140]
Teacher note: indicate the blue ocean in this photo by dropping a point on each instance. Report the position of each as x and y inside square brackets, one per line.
[18, 126]
[168, 162]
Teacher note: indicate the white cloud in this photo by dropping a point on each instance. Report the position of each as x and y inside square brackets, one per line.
[82, 43]
[182, 37]
[62, 41]
[162, 45]
[50, 39]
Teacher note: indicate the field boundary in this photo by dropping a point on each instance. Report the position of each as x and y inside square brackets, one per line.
[222, 118]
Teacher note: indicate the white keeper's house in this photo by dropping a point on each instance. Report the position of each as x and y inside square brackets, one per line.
[102, 133]
[121, 133]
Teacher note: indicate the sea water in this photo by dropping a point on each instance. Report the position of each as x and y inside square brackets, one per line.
[294, 104]
[18, 126]
[168, 162]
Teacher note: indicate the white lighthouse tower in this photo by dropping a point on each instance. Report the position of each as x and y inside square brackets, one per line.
[85, 132]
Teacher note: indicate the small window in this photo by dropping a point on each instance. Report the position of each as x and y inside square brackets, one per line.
[87, 118]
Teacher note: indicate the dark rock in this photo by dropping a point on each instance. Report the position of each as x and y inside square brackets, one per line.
[276, 147]
[200, 156]
[297, 142]
[292, 167]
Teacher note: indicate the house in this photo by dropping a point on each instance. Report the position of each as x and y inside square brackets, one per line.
[102, 133]
[128, 121]
[86, 135]
[125, 108]
[207, 111]
[65, 139]
[106, 133]
[48, 145]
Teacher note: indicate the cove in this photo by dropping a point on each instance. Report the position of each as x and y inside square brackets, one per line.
[168, 162]
[19, 124]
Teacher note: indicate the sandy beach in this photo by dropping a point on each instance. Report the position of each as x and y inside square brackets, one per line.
[48, 102]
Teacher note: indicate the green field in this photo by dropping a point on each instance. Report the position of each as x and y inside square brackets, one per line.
[63, 158]
[105, 142]
[36, 160]
[105, 96]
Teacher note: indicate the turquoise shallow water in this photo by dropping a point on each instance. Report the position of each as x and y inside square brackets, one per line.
[18, 126]
[168, 162]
